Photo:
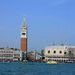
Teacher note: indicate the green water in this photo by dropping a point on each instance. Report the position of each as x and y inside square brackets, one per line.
[19, 68]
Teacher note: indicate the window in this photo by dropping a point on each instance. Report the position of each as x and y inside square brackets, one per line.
[23, 33]
[49, 51]
[65, 52]
[54, 52]
[70, 52]
[60, 52]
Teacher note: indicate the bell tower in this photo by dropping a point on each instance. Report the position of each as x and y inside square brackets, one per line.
[24, 36]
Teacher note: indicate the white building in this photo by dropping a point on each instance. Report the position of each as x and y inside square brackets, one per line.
[59, 53]
[10, 54]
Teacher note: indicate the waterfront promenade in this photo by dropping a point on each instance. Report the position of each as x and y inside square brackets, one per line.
[31, 68]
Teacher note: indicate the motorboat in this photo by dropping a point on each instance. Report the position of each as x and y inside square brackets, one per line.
[52, 62]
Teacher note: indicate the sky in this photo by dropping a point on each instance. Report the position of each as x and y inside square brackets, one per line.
[49, 22]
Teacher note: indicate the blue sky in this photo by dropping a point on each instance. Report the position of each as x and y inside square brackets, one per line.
[49, 21]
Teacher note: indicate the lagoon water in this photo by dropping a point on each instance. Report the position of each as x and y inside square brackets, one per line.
[19, 68]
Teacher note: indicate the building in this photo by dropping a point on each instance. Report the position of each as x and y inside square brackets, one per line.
[24, 37]
[60, 53]
[34, 56]
[10, 54]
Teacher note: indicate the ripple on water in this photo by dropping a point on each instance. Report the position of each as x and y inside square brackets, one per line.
[19, 68]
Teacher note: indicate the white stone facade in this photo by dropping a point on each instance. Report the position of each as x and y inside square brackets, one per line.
[59, 52]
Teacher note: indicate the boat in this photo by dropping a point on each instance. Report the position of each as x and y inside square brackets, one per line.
[24, 61]
[52, 62]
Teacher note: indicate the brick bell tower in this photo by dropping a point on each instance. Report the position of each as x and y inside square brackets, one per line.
[24, 37]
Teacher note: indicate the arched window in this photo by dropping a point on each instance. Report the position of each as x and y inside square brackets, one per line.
[23, 33]
[65, 52]
[60, 52]
[48, 51]
[54, 52]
